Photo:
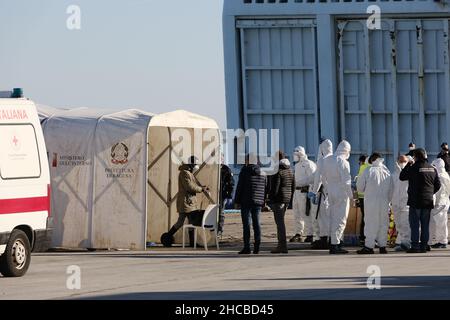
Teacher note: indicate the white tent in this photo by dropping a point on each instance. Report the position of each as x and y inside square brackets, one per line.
[115, 174]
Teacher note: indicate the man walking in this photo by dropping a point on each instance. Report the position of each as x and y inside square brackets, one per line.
[423, 183]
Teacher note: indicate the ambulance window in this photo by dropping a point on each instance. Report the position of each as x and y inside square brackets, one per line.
[19, 156]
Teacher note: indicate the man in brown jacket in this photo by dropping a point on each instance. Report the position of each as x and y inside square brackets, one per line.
[187, 205]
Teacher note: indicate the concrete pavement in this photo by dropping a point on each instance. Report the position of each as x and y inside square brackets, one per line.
[178, 274]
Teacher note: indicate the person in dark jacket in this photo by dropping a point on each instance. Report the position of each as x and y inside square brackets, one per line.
[226, 192]
[280, 155]
[280, 196]
[423, 182]
[444, 155]
[250, 197]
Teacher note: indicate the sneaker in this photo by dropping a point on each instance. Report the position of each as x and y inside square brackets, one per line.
[383, 250]
[245, 251]
[296, 238]
[365, 250]
[399, 248]
[413, 250]
[309, 239]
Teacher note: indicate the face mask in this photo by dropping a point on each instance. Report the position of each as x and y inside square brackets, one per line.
[296, 158]
[402, 165]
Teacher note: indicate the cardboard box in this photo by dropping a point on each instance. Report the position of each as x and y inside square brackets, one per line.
[354, 221]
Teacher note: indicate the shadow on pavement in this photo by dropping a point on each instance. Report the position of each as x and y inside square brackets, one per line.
[405, 287]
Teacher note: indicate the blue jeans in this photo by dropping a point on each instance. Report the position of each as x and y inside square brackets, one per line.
[250, 215]
[419, 221]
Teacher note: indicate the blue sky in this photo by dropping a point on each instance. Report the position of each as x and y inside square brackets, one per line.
[153, 55]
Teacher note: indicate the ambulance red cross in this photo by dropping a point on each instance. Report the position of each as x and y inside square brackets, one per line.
[25, 220]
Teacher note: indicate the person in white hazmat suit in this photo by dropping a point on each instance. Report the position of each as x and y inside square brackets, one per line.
[376, 185]
[439, 215]
[319, 192]
[399, 203]
[305, 170]
[336, 177]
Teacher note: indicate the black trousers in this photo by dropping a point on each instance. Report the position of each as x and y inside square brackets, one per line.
[279, 212]
[194, 218]
[362, 237]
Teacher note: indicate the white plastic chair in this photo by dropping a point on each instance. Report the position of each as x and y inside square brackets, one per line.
[209, 223]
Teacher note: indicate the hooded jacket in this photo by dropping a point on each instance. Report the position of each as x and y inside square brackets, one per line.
[423, 183]
[442, 196]
[283, 185]
[187, 191]
[251, 187]
[325, 151]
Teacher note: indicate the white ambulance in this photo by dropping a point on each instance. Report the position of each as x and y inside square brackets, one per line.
[25, 222]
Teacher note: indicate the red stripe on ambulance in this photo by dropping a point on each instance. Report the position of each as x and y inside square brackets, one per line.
[24, 205]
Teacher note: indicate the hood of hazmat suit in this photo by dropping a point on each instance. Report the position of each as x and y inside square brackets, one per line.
[325, 151]
[442, 196]
[300, 154]
[305, 169]
[343, 150]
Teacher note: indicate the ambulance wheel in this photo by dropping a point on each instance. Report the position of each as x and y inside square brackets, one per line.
[17, 257]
